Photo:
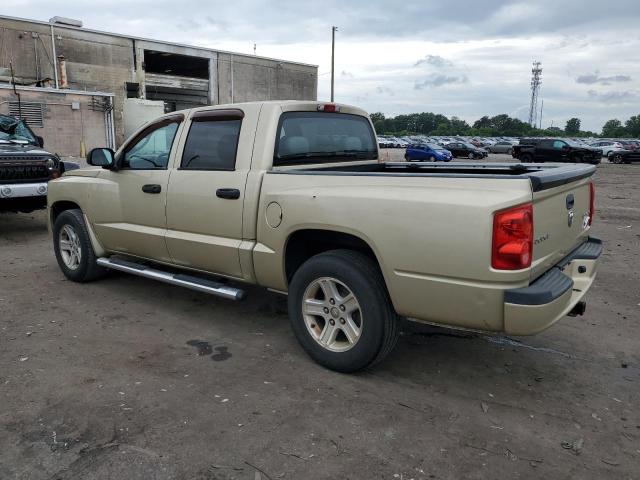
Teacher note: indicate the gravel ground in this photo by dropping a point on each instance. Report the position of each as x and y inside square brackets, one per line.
[127, 378]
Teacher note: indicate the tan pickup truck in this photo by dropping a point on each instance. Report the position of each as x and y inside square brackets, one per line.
[292, 196]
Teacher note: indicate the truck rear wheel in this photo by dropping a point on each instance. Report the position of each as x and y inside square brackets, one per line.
[340, 311]
[73, 249]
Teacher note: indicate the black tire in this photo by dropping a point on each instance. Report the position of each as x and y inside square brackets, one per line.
[362, 276]
[526, 158]
[87, 269]
[616, 158]
[406, 158]
[471, 156]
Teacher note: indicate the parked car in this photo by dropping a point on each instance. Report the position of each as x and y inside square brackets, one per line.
[624, 156]
[427, 152]
[629, 144]
[25, 167]
[607, 146]
[555, 150]
[501, 147]
[462, 149]
[384, 142]
[292, 196]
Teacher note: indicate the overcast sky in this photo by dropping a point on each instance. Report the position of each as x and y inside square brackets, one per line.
[456, 57]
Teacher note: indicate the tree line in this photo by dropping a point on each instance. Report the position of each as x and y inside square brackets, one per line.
[428, 123]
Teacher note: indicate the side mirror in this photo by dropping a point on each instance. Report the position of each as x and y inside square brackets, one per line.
[40, 141]
[101, 157]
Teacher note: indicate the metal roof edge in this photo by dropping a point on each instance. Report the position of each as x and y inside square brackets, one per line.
[8, 86]
[131, 37]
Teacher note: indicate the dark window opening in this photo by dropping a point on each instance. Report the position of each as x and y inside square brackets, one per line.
[132, 89]
[174, 64]
[211, 145]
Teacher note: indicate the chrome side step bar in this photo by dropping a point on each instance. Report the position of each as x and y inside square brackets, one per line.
[181, 279]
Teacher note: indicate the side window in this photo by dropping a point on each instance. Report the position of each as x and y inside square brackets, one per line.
[151, 150]
[558, 144]
[211, 144]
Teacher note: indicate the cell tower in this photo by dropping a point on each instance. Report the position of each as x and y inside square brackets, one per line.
[536, 81]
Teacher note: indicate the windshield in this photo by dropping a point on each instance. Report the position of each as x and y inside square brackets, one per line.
[315, 137]
[573, 143]
[15, 131]
[471, 146]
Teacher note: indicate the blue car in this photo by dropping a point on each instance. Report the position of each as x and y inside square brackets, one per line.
[427, 152]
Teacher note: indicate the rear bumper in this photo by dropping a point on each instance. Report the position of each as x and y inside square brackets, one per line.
[531, 309]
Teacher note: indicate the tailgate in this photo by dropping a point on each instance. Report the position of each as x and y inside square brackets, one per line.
[560, 222]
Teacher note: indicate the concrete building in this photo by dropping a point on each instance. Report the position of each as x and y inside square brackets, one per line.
[102, 85]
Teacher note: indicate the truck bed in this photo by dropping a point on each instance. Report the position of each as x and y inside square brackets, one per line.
[542, 176]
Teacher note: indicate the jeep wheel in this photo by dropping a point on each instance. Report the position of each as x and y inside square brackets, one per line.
[616, 158]
[73, 249]
[340, 311]
[526, 158]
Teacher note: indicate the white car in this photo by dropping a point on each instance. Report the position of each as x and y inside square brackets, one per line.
[608, 147]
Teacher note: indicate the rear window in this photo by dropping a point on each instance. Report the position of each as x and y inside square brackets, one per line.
[323, 137]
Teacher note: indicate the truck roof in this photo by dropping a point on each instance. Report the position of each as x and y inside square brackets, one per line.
[285, 105]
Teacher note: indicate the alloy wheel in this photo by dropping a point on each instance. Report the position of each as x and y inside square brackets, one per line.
[332, 314]
[70, 248]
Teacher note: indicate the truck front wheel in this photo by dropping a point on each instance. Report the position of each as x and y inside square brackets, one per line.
[340, 311]
[73, 249]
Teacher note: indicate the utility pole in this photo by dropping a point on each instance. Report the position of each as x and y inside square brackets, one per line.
[333, 54]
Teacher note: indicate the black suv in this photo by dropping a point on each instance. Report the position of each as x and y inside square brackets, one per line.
[555, 150]
[25, 167]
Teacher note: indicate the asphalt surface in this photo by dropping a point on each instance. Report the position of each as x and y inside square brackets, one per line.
[126, 378]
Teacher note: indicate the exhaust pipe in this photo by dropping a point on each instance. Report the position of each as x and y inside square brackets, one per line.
[579, 309]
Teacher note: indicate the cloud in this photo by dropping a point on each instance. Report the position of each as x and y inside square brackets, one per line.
[438, 80]
[396, 45]
[613, 96]
[595, 78]
[434, 60]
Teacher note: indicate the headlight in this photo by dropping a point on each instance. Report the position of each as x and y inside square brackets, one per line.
[50, 164]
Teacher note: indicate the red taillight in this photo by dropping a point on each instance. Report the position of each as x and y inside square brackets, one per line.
[328, 107]
[592, 202]
[512, 245]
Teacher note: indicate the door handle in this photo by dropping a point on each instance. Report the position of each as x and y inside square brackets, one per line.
[151, 188]
[228, 193]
